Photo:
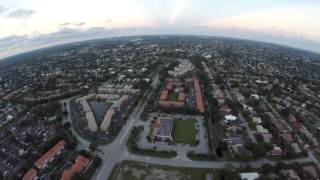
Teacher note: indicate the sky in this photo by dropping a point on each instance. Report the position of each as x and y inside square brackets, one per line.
[31, 24]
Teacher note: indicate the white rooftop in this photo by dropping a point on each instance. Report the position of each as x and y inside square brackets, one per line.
[249, 176]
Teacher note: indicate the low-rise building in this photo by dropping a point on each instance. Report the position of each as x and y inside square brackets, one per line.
[229, 118]
[249, 176]
[111, 111]
[50, 155]
[162, 129]
[30, 175]
[261, 129]
[80, 163]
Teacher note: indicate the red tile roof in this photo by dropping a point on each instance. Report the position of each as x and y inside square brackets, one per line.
[157, 124]
[297, 125]
[196, 85]
[225, 109]
[176, 84]
[164, 95]
[287, 137]
[181, 89]
[171, 104]
[169, 86]
[292, 118]
[80, 163]
[30, 175]
[182, 97]
[49, 154]
[173, 80]
[199, 100]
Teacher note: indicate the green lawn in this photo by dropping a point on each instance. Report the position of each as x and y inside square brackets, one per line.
[173, 96]
[131, 170]
[184, 131]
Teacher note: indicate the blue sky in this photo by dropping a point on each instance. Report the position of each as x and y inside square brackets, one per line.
[30, 24]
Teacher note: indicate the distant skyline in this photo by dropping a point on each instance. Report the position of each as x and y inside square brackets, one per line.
[31, 24]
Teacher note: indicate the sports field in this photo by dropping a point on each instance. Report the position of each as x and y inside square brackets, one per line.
[184, 131]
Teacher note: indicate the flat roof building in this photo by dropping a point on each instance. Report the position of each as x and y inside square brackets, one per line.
[85, 106]
[92, 124]
[107, 120]
[229, 118]
[162, 128]
[111, 111]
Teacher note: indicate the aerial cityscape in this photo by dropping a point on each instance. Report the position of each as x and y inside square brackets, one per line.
[159, 90]
[184, 107]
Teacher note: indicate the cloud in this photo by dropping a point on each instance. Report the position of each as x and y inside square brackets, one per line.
[79, 24]
[71, 24]
[18, 44]
[21, 13]
[2, 9]
[65, 24]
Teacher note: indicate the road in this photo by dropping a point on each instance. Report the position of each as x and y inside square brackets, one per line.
[206, 164]
[112, 152]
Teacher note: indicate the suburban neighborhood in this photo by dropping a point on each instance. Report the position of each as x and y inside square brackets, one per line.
[161, 107]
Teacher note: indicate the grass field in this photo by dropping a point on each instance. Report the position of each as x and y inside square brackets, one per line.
[184, 131]
[173, 96]
[131, 170]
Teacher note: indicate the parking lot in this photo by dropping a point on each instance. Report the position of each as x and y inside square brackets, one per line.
[201, 136]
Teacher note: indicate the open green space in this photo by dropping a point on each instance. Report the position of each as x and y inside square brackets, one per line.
[173, 96]
[184, 131]
[130, 170]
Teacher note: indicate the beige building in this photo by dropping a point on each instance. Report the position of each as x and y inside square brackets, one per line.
[92, 124]
[109, 115]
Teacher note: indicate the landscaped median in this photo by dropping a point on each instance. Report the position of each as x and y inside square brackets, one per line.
[200, 157]
[133, 148]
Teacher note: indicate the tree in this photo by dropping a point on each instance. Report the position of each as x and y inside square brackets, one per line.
[93, 146]
[65, 112]
[229, 173]
[67, 125]
[266, 169]
[280, 165]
